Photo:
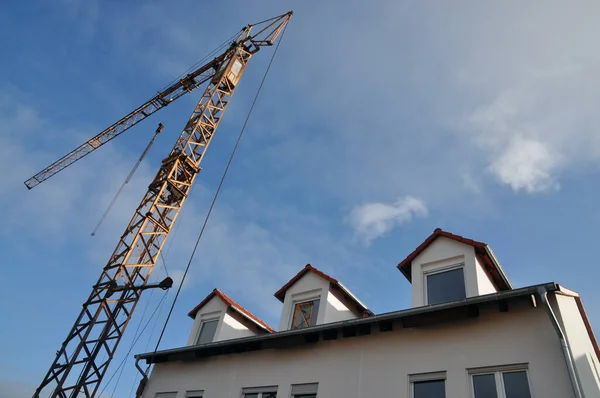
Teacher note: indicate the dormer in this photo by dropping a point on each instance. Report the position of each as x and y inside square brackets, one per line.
[313, 298]
[218, 318]
[447, 267]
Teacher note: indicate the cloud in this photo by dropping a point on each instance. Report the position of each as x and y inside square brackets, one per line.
[531, 135]
[374, 220]
[526, 165]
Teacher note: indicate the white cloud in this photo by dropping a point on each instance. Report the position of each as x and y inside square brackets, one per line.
[527, 165]
[374, 220]
[531, 135]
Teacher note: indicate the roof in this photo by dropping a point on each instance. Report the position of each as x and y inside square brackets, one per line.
[231, 305]
[280, 294]
[483, 252]
[412, 317]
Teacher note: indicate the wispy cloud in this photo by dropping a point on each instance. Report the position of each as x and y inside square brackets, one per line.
[373, 220]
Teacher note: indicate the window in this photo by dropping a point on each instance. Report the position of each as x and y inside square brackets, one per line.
[308, 390]
[305, 314]
[166, 394]
[505, 382]
[428, 385]
[260, 392]
[194, 394]
[446, 286]
[207, 331]
[270, 394]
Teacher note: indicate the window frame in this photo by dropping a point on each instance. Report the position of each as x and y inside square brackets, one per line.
[296, 303]
[498, 372]
[207, 320]
[259, 390]
[429, 376]
[303, 389]
[440, 270]
[194, 394]
[164, 394]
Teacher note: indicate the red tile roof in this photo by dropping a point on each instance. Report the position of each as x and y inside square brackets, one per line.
[280, 294]
[482, 251]
[230, 305]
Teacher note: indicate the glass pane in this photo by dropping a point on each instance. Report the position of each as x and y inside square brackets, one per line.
[207, 332]
[305, 314]
[269, 395]
[516, 384]
[315, 312]
[484, 386]
[429, 389]
[299, 317]
[446, 286]
[252, 395]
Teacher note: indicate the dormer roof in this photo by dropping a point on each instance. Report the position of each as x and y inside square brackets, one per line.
[231, 305]
[483, 253]
[334, 283]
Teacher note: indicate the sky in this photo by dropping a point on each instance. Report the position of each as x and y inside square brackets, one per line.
[377, 123]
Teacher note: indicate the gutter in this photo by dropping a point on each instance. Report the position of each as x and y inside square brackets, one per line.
[566, 349]
[391, 316]
[143, 381]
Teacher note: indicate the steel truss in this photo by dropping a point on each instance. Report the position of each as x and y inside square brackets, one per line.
[102, 321]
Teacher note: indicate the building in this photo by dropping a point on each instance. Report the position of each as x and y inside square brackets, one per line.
[469, 333]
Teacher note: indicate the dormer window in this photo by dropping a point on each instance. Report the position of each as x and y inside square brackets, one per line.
[207, 331]
[305, 314]
[445, 285]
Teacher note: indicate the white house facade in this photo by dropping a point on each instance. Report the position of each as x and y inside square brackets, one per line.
[469, 333]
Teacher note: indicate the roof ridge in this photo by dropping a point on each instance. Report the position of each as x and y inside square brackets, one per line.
[280, 294]
[230, 303]
[482, 250]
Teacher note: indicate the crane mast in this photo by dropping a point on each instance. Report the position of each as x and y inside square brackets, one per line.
[84, 357]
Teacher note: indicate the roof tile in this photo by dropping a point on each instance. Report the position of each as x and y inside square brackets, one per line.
[230, 304]
[491, 268]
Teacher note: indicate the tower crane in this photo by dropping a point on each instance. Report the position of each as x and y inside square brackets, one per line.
[84, 356]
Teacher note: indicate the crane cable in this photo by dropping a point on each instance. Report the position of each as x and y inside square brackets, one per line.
[135, 340]
[191, 68]
[216, 195]
[131, 173]
[160, 307]
[203, 60]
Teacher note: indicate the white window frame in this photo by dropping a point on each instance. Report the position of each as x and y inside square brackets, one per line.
[497, 371]
[429, 376]
[300, 301]
[440, 270]
[259, 390]
[194, 394]
[205, 320]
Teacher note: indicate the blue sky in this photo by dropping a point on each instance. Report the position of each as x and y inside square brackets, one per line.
[377, 124]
